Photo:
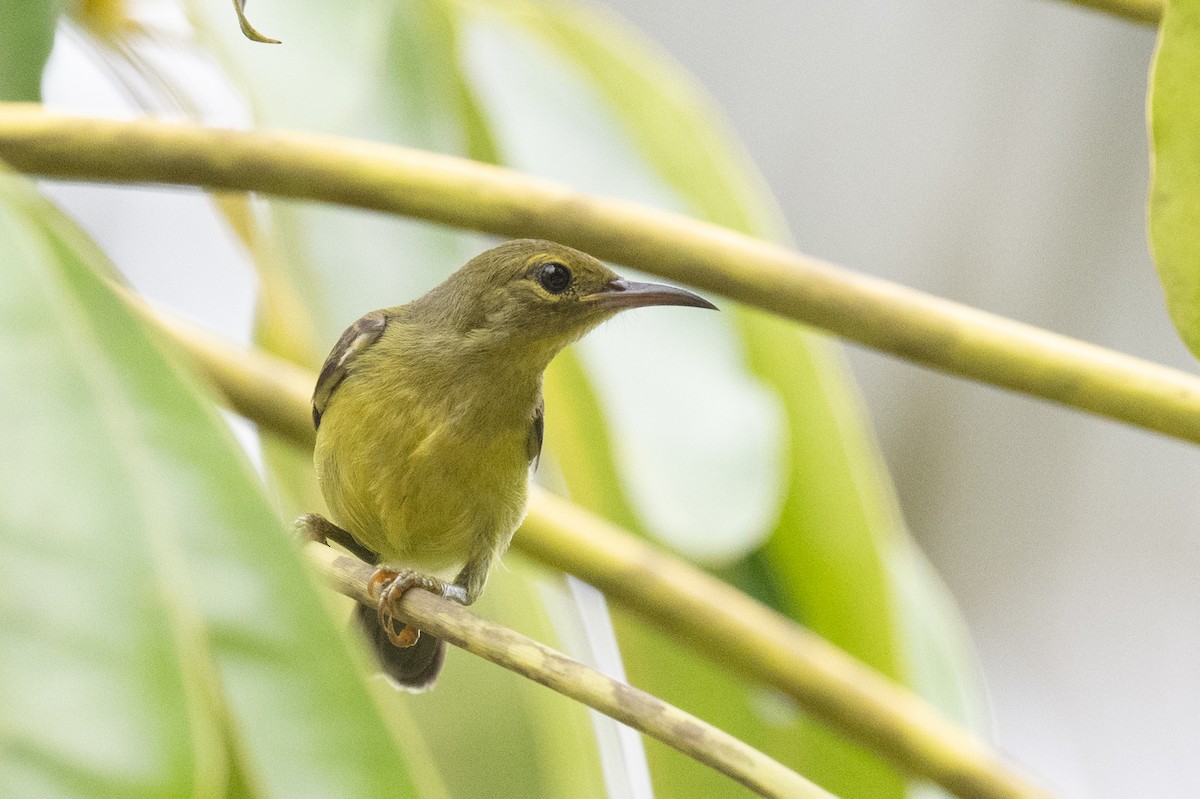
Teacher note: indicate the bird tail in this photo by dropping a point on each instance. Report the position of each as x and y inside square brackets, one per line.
[414, 669]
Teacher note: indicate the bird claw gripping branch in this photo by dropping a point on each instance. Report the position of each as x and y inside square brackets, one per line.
[391, 587]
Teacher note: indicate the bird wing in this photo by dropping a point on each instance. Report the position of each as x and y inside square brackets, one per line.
[358, 337]
[533, 445]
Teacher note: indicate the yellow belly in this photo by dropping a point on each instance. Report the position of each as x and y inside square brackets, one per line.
[421, 485]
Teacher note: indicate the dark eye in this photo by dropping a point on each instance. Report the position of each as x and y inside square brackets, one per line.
[554, 277]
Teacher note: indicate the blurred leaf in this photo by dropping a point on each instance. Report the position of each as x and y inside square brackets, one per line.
[97, 691]
[151, 598]
[829, 554]
[105, 18]
[539, 98]
[761, 718]
[839, 558]
[26, 36]
[284, 327]
[942, 666]
[840, 552]
[660, 108]
[647, 367]
[1174, 104]
[577, 441]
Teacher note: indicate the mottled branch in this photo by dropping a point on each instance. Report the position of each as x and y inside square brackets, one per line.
[505, 647]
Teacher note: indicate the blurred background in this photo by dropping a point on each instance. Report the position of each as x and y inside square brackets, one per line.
[993, 153]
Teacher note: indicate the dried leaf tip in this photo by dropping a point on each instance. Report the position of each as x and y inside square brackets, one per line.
[240, 7]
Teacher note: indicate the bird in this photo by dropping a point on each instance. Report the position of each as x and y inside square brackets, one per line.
[429, 422]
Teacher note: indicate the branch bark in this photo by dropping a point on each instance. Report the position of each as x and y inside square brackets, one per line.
[680, 600]
[922, 328]
[538, 662]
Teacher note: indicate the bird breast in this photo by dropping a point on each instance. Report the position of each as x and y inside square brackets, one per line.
[425, 482]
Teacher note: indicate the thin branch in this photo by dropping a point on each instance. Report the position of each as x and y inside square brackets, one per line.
[1148, 12]
[925, 329]
[682, 601]
[536, 661]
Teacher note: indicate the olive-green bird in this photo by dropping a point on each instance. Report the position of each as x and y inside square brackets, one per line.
[429, 417]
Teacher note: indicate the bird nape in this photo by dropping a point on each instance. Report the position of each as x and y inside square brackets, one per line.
[429, 417]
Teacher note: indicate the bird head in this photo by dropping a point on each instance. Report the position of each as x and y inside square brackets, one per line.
[532, 296]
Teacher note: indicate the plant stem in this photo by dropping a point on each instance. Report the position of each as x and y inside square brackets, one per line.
[680, 600]
[925, 329]
[538, 662]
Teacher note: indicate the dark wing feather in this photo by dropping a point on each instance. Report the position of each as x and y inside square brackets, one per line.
[358, 337]
[533, 445]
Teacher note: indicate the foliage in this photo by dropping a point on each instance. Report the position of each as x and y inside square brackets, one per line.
[1175, 161]
[161, 636]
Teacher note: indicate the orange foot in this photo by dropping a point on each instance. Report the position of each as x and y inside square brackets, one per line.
[392, 585]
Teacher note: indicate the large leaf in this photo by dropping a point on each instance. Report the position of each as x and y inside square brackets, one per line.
[1175, 165]
[650, 367]
[532, 96]
[834, 459]
[839, 559]
[156, 623]
[26, 36]
[97, 692]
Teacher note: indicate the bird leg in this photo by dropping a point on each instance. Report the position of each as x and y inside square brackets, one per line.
[468, 585]
[392, 586]
[315, 527]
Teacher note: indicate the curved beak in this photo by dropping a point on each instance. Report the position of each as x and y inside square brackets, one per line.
[620, 295]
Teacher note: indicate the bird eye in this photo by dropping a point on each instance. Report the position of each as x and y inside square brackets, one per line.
[554, 277]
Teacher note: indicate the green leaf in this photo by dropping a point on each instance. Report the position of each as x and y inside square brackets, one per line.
[839, 558]
[841, 502]
[98, 692]
[578, 443]
[646, 367]
[533, 99]
[828, 556]
[26, 36]
[155, 614]
[1174, 213]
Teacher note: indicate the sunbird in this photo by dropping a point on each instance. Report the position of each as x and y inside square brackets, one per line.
[430, 418]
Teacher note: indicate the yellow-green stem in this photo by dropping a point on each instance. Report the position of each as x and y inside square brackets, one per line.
[925, 329]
